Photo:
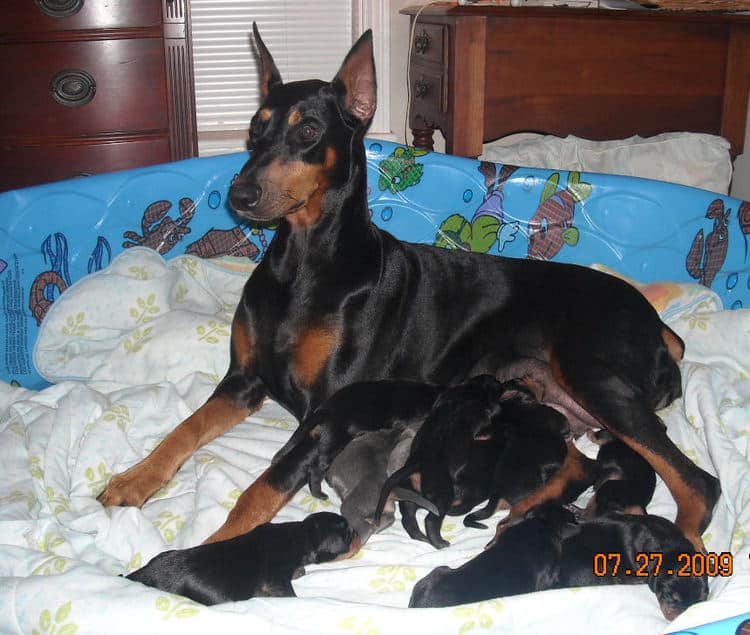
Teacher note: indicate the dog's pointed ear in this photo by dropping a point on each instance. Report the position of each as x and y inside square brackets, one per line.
[357, 74]
[269, 74]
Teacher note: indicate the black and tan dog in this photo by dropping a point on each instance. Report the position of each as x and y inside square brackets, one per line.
[336, 300]
[262, 562]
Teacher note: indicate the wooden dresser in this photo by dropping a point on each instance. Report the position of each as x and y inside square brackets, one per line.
[92, 86]
[479, 73]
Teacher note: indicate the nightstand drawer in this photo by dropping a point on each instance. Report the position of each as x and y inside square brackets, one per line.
[29, 165]
[82, 88]
[429, 97]
[23, 16]
[430, 43]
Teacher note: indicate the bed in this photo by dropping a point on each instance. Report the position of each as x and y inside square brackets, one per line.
[118, 291]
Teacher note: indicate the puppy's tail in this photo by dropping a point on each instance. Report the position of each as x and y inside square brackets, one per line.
[405, 494]
[391, 482]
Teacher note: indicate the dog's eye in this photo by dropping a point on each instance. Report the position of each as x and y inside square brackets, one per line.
[307, 133]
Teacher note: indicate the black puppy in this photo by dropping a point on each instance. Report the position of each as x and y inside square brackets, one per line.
[524, 559]
[647, 549]
[259, 563]
[548, 549]
[452, 456]
[355, 410]
[533, 449]
[626, 481]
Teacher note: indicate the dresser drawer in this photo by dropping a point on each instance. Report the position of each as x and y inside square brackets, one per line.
[128, 91]
[24, 165]
[430, 44]
[24, 16]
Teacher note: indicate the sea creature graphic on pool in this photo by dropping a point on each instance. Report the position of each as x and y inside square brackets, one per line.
[48, 285]
[161, 232]
[101, 256]
[706, 257]
[487, 226]
[743, 218]
[400, 170]
[224, 242]
[551, 226]
[3, 265]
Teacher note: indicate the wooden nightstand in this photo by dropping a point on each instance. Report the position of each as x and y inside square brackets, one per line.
[93, 86]
[479, 73]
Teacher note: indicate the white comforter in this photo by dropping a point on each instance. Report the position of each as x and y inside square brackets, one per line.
[137, 347]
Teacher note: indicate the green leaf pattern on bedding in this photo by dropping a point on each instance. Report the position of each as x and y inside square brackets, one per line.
[177, 607]
[169, 524]
[393, 578]
[358, 626]
[97, 478]
[59, 625]
[75, 326]
[478, 615]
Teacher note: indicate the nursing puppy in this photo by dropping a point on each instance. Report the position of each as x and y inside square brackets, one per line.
[452, 456]
[626, 481]
[259, 563]
[533, 449]
[355, 410]
[358, 473]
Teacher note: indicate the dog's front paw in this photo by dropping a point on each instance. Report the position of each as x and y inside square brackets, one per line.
[131, 488]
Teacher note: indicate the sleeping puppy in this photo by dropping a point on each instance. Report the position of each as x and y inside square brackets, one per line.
[452, 456]
[638, 544]
[261, 562]
[356, 409]
[626, 481]
[533, 449]
[524, 559]
[358, 473]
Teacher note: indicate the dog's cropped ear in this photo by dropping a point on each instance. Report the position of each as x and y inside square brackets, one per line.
[269, 74]
[357, 74]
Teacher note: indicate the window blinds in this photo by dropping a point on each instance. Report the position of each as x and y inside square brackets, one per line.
[307, 39]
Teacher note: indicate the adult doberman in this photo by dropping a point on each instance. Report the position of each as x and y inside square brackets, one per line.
[336, 300]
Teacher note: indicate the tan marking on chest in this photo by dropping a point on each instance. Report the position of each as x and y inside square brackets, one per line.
[311, 351]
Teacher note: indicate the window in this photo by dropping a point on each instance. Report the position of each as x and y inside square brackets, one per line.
[306, 39]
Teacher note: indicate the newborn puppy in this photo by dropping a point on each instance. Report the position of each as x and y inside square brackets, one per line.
[356, 409]
[261, 562]
[626, 481]
[452, 456]
[533, 449]
[638, 544]
[358, 473]
[524, 559]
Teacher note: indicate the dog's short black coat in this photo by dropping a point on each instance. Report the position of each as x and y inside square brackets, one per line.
[336, 300]
[453, 454]
[639, 544]
[524, 559]
[549, 548]
[533, 448]
[259, 563]
[625, 481]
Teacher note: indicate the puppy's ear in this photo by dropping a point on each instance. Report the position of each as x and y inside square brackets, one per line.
[357, 75]
[269, 74]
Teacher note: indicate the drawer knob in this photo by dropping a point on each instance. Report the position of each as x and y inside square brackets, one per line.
[421, 89]
[422, 42]
[60, 8]
[73, 88]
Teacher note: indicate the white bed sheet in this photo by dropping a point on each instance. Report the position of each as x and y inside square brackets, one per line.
[121, 391]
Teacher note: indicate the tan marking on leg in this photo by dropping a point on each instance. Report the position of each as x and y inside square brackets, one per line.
[674, 344]
[258, 504]
[134, 486]
[311, 351]
[575, 467]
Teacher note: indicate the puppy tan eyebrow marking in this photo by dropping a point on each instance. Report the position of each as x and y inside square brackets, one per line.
[294, 117]
[265, 114]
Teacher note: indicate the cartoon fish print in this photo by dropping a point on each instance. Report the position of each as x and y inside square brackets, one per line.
[706, 257]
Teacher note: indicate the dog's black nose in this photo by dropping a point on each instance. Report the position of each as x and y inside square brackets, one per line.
[245, 197]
